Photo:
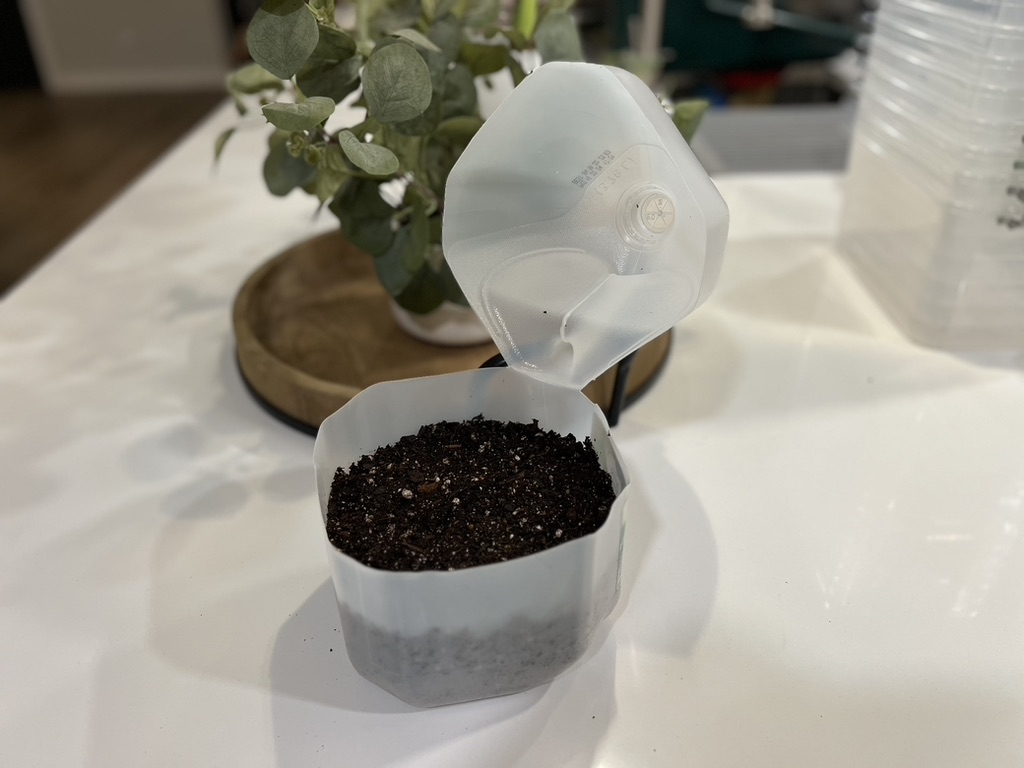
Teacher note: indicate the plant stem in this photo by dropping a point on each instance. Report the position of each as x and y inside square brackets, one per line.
[363, 20]
[526, 18]
[425, 191]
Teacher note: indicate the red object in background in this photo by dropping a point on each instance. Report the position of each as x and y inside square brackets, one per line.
[750, 81]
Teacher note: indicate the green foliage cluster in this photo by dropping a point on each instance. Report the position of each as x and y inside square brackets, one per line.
[413, 63]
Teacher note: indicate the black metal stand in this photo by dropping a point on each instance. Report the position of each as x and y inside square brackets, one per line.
[620, 397]
[619, 402]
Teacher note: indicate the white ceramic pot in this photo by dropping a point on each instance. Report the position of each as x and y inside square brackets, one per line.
[450, 325]
[440, 637]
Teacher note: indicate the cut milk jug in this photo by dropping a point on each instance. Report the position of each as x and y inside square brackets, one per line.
[580, 226]
[579, 223]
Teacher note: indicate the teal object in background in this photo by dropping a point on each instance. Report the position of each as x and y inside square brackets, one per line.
[713, 40]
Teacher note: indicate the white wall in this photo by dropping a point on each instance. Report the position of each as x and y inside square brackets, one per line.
[128, 45]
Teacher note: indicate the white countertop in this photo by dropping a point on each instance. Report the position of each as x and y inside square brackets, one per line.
[824, 562]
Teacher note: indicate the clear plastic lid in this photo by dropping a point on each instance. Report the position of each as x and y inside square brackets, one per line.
[579, 224]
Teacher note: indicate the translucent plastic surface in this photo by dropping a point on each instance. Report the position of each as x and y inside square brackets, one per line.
[1005, 75]
[933, 219]
[439, 637]
[960, 72]
[983, 102]
[964, 174]
[996, 13]
[881, 95]
[579, 224]
[962, 42]
[951, 274]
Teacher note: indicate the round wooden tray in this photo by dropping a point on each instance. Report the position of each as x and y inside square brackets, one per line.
[313, 327]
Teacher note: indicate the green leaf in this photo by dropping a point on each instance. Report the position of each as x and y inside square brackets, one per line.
[403, 267]
[328, 183]
[480, 13]
[558, 39]
[560, 5]
[417, 38]
[389, 15]
[414, 253]
[281, 171]
[335, 80]
[282, 35]
[334, 159]
[447, 34]
[396, 83]
[380, 161]
[427, 122]
[299, 117]
[332, 174]
[239, 104]
[407, 148]
[424, 124]
[518, 74]
[459, 129]
[438, 159]
[435, 231]
[365, 218]
[446, 7]
[419, 232]
[333, 45]
[252, 78]
[459, 93]
[423, 292]
[687, 116]
[483, 59]
[390, 263]
[222, 140]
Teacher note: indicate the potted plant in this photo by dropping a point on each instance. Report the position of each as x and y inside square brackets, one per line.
[415, 66]
[412, 66]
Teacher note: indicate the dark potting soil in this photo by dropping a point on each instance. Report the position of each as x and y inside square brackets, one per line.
[460, 494]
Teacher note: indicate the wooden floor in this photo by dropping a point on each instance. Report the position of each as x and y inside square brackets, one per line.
[62, 159]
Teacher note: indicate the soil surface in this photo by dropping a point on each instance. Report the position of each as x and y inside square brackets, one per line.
[457, 495]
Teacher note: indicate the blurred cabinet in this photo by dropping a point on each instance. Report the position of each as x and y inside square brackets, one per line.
[128, 45]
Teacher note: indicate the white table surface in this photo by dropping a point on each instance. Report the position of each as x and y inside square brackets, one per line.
[824, 563]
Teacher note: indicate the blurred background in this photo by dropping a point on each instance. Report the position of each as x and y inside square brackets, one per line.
[93, 92]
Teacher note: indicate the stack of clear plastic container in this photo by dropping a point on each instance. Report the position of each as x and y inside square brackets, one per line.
[933, 219]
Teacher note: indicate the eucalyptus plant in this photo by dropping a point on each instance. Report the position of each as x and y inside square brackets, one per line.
[413, 65]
